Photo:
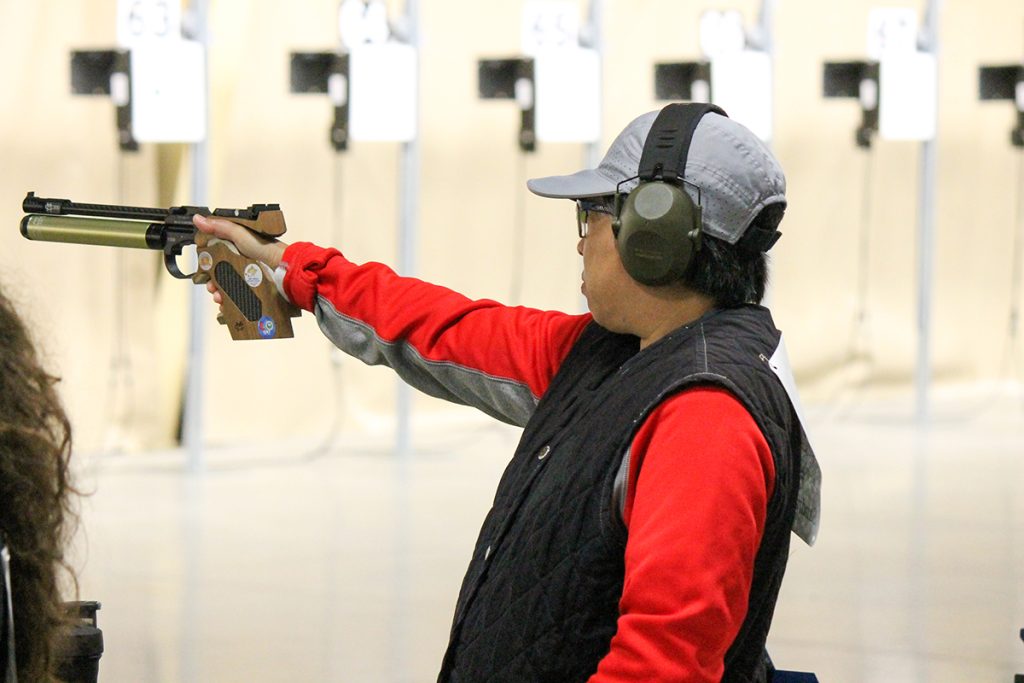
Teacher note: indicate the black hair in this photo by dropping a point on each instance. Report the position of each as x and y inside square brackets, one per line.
[729, 274]
[604, 202]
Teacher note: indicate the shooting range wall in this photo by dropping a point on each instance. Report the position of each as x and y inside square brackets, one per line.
[114, 325]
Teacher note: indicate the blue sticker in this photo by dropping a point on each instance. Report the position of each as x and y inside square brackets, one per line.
[266, 327]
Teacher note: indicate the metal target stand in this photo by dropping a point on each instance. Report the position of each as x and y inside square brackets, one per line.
[861, 80]
[330, 73]
[1007, 83]
[108, 72]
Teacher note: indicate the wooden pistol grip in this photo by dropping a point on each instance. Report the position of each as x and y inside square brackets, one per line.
[268, 223]
[252, 308]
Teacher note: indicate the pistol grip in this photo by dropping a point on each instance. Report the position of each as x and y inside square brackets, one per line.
[252, 308]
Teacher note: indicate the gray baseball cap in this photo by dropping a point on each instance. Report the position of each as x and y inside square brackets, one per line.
[735, 171]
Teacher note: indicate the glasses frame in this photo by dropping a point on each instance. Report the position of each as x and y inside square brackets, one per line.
[583, 210]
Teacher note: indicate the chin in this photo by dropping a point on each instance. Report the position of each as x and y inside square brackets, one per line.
[610, 322]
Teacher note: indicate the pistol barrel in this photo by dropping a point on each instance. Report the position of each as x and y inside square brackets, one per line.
[100, 231]
[66, 207]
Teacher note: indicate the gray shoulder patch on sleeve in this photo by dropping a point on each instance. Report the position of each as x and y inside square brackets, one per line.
[501, 398]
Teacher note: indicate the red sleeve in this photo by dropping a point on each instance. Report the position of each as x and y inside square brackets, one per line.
[443, 327]
[700, 477]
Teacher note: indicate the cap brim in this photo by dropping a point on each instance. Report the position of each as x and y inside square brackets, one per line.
[586, 183]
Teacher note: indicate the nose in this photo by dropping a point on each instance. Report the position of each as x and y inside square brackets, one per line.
[579, 247]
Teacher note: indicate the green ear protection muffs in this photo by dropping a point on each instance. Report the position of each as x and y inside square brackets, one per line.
[658, 226]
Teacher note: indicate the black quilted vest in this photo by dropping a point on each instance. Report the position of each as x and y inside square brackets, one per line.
[540, 597]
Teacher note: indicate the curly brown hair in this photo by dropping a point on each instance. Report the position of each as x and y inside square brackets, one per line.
[36, 517]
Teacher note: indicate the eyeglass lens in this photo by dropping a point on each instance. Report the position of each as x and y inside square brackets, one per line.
[582, 217]
[583, 211]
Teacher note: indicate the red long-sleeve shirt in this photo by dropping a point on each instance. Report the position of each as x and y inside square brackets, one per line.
[700, 471]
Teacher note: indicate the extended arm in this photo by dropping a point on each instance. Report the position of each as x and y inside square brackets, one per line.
[496, 358]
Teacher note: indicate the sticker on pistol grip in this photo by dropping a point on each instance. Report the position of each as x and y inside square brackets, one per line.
[205, 260]
[266, 327]
[253, 275]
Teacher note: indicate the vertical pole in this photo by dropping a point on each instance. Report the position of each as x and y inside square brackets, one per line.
[766, 43]
[407, 243]
[926, 233]
[766, 28]
[192, 420]
[407, 233]
[592, 153]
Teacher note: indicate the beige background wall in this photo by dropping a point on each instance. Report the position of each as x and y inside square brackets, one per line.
[114, 326]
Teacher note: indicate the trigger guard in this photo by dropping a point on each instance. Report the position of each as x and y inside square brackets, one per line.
[171, 264]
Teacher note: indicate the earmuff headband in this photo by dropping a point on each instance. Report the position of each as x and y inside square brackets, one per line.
[658, 226]
[668, 142]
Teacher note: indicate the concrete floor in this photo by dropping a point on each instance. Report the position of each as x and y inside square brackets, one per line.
[276, 565]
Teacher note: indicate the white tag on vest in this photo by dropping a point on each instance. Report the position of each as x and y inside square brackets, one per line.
[808, 507]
